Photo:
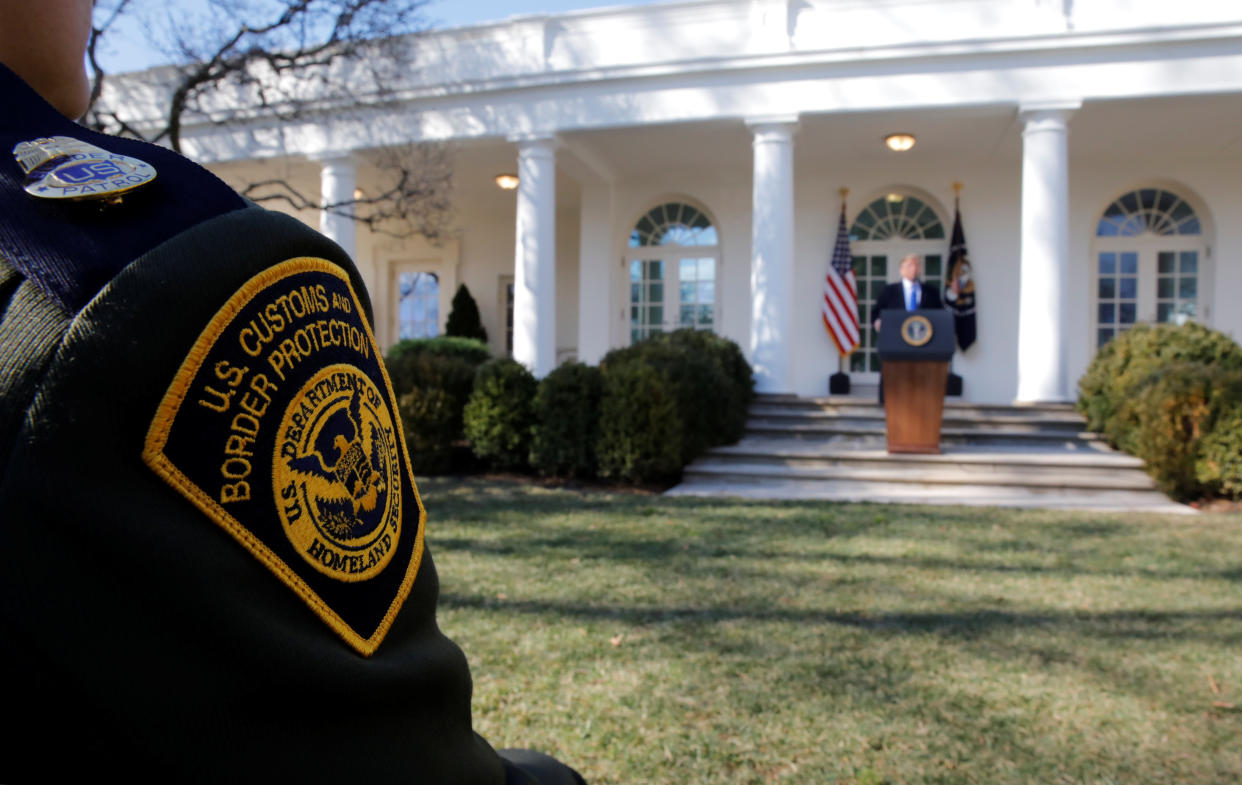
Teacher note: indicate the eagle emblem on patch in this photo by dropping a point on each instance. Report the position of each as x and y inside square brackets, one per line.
[282, 426]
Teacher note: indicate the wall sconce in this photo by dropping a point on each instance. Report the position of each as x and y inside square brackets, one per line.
[507, 181]
[899, 143]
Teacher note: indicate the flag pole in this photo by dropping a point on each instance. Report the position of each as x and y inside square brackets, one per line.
[954, 384]
[839, 382]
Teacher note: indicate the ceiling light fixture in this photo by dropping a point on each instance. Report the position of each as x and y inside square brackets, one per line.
[507, 181]
[899, 143]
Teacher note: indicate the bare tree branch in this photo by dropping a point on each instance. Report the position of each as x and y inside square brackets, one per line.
[287, 59]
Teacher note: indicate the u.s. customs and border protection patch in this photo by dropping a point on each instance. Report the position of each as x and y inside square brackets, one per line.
[282, 426]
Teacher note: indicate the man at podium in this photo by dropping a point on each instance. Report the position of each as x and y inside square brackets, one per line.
[909, 293]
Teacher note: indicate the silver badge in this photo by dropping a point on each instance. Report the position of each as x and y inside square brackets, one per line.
[61, 167]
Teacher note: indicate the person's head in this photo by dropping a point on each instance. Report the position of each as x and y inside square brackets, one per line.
[43, 42]
[911, 267]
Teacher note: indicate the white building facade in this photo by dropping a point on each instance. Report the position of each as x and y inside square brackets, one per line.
[681, 164]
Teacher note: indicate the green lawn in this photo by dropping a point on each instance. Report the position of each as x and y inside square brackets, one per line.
[651, 640]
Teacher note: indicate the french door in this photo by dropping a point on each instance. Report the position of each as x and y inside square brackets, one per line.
[1153, 280]
[671, 290]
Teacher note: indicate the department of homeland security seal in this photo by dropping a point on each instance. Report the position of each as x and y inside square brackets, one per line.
[282, 427]
[335, 470]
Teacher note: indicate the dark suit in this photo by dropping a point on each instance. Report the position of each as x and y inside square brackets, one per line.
[893, 296]
[158, 613]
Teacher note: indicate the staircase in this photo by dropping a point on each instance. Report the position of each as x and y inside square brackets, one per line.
[1009, 456]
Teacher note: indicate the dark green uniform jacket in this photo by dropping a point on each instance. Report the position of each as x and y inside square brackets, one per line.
[211, 555]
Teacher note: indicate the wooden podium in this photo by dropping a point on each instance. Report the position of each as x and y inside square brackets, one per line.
[915, 348]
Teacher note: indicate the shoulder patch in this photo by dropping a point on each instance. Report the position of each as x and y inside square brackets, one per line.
[282, 427]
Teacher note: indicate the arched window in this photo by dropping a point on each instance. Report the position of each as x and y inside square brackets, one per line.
[673, 260]
[885, 230]
[1148, 262]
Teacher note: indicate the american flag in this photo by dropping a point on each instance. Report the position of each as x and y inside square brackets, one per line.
[840, 310]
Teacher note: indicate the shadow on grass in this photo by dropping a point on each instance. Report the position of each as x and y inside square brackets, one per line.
[967, 625]
[600, 544]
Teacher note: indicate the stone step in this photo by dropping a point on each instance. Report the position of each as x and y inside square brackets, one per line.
[848, 490]
[764, 419]
[738, 469]
[874, 433]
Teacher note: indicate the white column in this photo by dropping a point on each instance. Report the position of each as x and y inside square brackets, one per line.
[534, 273]
[597, 273]
[771, 267]
[337, 180]
[1044, 259]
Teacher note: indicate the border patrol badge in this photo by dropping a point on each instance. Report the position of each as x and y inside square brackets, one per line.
[916, 330]
[282, 427]
[61, 167]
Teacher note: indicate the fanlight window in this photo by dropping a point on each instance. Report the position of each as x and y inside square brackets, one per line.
[896, 217]
[1148, 210]
[673, 223]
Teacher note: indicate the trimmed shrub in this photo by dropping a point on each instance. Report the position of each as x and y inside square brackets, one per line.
[1132, 357]
[566, 412]
[402, 357]
[463, 319]
[736, 396]
[1171, 415]
[431, 409]
[499, 415]
[639, 427]
[1219, 466]
[696, 384]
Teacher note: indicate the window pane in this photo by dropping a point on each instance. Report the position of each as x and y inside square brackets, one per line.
[656, 292]
[636, 271]
[1189, 226]
[686, 269]
[655, 315]
[707, 291]
[1190, 262]
[705, 315]
[1108, 313]
[879, 268]
[1130, 202]
[687, 291]
[1129, 263]
[1165, 261]
[1103, 337]
[687, 315]
[1164, 287]
[874, 361]
[1108, 288]
[860, 265]
[1188, 288]
[1126, 312]
[1129, 288]
[707, 269]
[636, 292]
[1164, 312]
[932, 263]
[858, 361]
[1108, 263]
[1107, 228]
[655, 270]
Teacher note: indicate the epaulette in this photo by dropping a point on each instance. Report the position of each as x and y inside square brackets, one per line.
[71, 249]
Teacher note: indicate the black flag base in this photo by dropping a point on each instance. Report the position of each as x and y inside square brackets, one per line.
[954, 385]
[839, 384]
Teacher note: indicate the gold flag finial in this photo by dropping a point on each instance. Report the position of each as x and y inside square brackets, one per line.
[957, 189]
[844, 193]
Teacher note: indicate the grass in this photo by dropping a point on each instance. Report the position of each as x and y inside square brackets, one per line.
[652, 640]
